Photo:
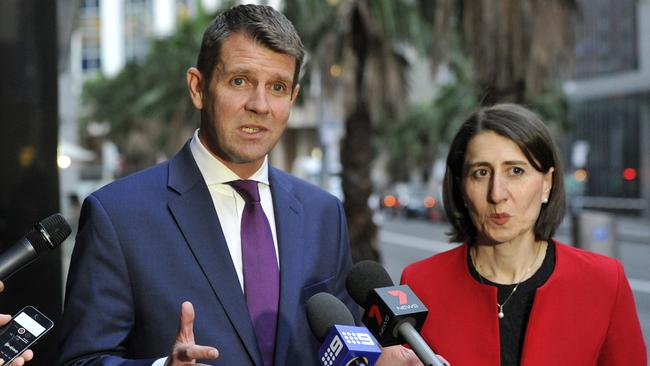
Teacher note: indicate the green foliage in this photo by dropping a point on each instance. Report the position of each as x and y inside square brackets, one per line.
[416, 140]
[405, 21]
[149, 97]
[325, 28]
[397, 20]
[312, 19]
[552, 106]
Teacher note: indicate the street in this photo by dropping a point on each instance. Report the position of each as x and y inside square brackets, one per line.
[404, 241]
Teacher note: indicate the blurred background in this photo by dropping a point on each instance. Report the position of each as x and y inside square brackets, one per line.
[92, 90]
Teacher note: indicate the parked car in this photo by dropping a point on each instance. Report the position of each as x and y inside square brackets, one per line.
[412, 201]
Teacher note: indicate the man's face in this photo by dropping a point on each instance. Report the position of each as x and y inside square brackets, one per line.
[247, 105]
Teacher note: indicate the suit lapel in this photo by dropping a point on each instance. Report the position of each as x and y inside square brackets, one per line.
[289, 225]
[196, 217]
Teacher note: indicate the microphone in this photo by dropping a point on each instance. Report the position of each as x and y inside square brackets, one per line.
[342, 343]
[392, 313]
[45, 235]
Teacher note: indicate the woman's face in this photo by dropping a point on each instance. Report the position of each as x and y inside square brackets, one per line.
[502, 190]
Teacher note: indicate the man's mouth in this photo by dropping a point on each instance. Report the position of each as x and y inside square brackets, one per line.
[250, 129]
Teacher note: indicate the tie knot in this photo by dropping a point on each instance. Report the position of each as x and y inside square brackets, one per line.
[247, 189]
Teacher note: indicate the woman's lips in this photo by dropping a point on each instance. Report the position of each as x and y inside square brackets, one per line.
[500, 219]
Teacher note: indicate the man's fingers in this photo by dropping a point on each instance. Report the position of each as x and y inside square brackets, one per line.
[2, 288]
[186, 328]
[191, 353]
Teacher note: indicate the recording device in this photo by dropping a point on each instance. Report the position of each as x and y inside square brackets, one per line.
[24, 329]
[45, 235]
[342, 343]
[392, 313]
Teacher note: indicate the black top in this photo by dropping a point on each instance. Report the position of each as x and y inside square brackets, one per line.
[512, 327]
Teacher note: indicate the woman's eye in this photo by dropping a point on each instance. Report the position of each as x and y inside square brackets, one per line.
[480, 173]
[517, 171]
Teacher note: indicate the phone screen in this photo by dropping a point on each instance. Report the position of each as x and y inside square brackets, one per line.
[21, 332]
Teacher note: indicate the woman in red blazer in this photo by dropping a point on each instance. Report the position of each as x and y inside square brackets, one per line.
[510, 295]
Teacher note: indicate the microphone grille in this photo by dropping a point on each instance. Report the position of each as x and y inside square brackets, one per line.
[49, 233]
[324, 310]
[58, 229]
[363, 278]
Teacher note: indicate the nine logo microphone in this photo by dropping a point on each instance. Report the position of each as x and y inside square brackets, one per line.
[342, 343]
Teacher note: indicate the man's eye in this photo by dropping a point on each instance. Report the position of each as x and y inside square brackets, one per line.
[238, 82]
[279, 88]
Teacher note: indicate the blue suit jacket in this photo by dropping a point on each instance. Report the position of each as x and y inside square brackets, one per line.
[152, 240]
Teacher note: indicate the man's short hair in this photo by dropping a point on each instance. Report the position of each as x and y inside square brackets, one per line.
[263, 24]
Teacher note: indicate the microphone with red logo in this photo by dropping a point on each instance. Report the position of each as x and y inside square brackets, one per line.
[392, 313]
[342, 343]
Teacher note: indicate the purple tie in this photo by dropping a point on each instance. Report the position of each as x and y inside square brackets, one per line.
[261, 273]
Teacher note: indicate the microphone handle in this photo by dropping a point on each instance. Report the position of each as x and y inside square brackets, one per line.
[15, 257]
[419, 346]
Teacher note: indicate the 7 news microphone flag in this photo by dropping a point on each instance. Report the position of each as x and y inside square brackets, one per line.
[392, 313]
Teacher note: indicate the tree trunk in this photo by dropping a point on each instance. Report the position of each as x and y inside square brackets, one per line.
[493, 94]
[357, 153]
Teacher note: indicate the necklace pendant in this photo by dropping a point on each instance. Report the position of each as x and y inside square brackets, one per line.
[501, 315]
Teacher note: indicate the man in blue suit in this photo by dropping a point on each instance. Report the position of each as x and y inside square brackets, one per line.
[170, 234]
[173, 238]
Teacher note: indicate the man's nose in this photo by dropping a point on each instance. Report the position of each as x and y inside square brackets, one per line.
[258, 100]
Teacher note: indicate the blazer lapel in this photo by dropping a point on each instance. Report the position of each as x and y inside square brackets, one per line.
[289, 225]
[196, 217]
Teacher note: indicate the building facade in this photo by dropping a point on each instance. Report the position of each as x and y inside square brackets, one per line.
[610, 105]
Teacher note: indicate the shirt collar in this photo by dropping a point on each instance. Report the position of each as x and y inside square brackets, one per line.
[214, 171]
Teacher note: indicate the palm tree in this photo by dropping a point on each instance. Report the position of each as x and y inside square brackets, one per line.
[517, 46]
[146, 104]
[364, 37]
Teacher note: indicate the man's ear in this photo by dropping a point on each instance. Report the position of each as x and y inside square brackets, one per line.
[294, 93]
[195, 86]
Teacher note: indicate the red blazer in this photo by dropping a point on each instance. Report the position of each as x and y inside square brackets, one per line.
[583, 315]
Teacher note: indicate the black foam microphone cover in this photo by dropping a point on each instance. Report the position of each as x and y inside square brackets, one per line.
[364, 277]
[325, 310]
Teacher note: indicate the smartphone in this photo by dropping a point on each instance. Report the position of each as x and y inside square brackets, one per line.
[24, 329]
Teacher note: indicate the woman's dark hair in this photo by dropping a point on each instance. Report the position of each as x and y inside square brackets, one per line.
[262, 23]
[527, 131]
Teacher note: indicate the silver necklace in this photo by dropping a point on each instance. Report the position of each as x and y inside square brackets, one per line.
[478, 268]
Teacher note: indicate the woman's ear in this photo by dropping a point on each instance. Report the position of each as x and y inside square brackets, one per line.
[548, 185]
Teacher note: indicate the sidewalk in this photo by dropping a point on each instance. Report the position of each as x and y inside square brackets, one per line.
[628, 229]
[633, 229]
